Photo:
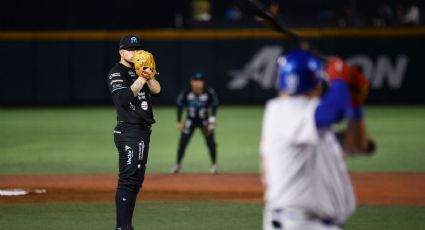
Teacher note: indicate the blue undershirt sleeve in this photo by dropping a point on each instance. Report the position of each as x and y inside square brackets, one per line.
[333, 105]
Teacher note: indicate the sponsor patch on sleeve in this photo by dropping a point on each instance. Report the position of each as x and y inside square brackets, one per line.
[116, 85]
[113, 75]
[116, 81]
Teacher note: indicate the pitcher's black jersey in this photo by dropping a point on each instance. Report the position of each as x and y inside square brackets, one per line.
[130, 109]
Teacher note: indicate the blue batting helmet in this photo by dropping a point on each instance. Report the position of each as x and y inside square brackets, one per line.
[299, 71]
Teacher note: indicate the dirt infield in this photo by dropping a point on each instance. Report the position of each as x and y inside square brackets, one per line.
[371, 188]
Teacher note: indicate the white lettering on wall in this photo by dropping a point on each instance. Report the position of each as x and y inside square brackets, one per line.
[383, 71]
[261, 69]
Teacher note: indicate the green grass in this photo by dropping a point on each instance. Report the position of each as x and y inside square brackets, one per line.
[387, 218]
[148, 215]
[400, 135]
[79, 140]
[186, 215]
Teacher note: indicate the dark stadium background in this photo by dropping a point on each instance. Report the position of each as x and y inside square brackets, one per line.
[60, 51]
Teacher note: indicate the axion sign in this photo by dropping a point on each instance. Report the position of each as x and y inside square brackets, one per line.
[382, 70]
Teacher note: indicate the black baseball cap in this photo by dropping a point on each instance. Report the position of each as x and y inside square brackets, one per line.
[197, 76]
[130, 42]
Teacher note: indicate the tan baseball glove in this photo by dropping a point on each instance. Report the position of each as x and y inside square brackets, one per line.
[144, 61]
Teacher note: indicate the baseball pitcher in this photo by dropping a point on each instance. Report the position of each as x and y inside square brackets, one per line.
[131, 83]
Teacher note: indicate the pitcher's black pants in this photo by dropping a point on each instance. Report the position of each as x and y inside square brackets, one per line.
[132, 142]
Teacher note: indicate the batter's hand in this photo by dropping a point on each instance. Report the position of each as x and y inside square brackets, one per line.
[179, 126]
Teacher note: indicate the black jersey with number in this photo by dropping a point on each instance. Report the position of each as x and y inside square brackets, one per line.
[130, 109]
[197, 105]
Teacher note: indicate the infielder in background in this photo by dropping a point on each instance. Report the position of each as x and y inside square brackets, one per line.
[131, 91]
[307, 186]
[198, 100]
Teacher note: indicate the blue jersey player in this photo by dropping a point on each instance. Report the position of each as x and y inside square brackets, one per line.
[201, 107]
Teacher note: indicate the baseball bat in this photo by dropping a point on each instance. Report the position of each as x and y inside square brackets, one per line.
[258, 9]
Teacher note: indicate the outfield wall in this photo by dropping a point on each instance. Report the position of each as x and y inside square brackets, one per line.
[70, 67]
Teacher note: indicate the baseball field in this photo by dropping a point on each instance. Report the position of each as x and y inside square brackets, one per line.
[70, 153]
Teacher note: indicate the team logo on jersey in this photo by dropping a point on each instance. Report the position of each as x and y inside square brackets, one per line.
[191, 96]
[141, 95]
[132, 107]
[144, 105]
[132, 73]
[203, 97]
[129, 152]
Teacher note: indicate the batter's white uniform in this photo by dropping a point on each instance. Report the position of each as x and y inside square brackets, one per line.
[304, 171]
